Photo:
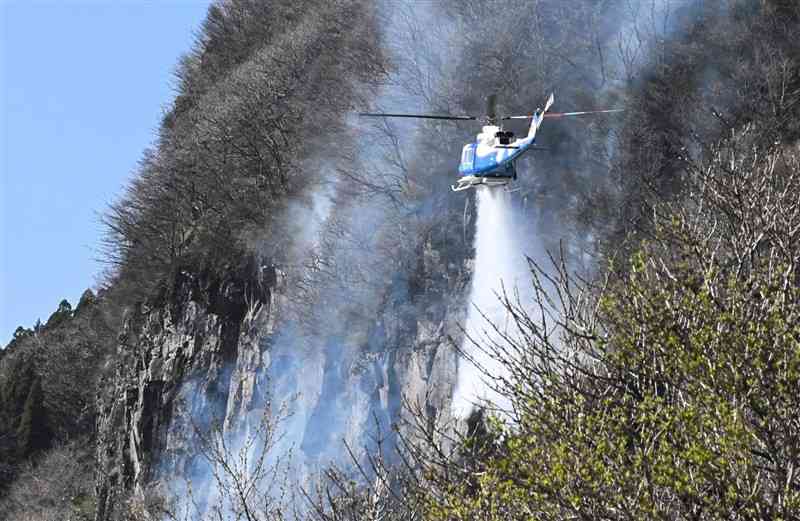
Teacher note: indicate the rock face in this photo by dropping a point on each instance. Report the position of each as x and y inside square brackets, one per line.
[203, 327]
[218, 348]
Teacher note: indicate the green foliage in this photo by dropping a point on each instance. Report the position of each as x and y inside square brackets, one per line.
[48, 382]
[21, 333]
[63, 312]
[33, 433]
[675, 394]
[87, 301]
[15, 389]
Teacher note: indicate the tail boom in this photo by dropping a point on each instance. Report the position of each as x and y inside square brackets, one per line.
[538, 117]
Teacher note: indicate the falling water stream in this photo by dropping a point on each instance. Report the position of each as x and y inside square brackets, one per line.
[500, 267]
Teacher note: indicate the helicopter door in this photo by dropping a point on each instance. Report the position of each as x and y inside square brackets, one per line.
[467, 157]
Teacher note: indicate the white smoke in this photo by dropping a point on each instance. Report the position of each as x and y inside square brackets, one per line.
[315, 372]
[501, 246]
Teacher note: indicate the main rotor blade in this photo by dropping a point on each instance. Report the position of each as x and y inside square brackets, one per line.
[491, 108]
[421, 116]
[566, 114]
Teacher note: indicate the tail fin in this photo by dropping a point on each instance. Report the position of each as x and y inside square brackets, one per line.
[539, 117]
[549, 103]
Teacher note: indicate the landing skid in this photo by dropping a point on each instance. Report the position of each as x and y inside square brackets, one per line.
[468, 182]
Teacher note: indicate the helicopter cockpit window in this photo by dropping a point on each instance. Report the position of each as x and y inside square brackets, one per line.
[504, 138]
[468, 156]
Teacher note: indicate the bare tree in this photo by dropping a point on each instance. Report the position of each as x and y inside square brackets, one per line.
[57, 486]
[668, 390]
[240, 476]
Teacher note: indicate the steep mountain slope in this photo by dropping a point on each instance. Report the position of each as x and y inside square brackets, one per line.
[49, 376]
[275, 258]
[258, 311]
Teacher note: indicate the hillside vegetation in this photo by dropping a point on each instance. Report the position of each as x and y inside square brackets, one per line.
[259, 97]
[662, 380]
[666, 385]
[49, 377]
[670, 392]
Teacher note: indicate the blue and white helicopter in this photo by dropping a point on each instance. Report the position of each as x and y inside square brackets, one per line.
[489, 161]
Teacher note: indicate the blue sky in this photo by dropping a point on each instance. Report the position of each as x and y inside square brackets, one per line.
[84, 85]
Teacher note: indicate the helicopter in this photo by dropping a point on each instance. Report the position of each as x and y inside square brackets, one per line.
[490, 160]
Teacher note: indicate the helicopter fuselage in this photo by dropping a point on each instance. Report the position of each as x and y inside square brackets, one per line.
[492, 154]
[490, 159]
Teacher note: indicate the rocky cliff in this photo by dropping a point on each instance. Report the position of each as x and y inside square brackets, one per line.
[216, 349]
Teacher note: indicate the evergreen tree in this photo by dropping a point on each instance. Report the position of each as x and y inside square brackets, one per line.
[13, 393]
[33, 433]
[63, 312]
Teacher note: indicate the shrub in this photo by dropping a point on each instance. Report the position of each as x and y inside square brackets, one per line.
[670, 392]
